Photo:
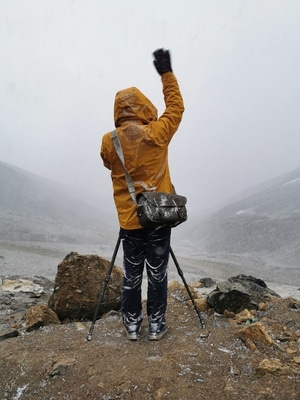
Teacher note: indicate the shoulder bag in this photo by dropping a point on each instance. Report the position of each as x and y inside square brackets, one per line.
[153, 208]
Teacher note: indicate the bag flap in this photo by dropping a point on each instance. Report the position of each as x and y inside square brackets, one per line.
[162, 199]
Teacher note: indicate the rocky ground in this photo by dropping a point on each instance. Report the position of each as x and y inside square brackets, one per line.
[248, 356]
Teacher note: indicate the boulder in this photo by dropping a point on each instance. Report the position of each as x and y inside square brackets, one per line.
[255, 333]
[20, 285]
[78, 284]
[201, 304]
[207, 282]
[179, 293]
[7, 333]
[239, 293]
[244, 316]
[17, 295]
[275, 367]
[40, 315]
[60, 367]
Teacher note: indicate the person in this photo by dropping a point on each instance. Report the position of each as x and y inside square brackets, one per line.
[144, 139]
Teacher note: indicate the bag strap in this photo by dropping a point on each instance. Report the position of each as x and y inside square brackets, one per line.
[119, 151]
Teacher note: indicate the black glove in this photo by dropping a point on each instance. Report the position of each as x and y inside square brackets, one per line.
[162, 61]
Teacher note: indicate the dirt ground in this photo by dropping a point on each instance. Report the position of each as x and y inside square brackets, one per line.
[57, 362]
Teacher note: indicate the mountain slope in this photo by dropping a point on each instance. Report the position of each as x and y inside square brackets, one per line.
[33, 208]
[263, 227]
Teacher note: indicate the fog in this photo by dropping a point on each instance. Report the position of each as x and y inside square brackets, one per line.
[237, 63]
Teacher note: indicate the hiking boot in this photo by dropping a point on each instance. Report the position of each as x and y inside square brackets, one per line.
[133, 331]
[133, 326]
[157, 330]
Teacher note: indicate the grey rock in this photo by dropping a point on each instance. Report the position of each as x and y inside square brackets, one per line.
[207, 282]
[61, 367]
[238, 293]
[8, 333]
[17, 295]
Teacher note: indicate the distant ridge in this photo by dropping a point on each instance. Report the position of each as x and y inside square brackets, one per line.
[36, 208]
[263, 227]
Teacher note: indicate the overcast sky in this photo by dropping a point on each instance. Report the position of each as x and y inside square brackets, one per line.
[237, 63]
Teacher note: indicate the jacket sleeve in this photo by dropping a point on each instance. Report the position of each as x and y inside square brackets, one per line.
[104, 151]
[169, 121]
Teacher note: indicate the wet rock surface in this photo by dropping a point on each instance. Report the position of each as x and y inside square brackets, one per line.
[17, 295]
[239, 293]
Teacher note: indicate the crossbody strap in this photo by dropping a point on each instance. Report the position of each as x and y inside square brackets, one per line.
[119, 151]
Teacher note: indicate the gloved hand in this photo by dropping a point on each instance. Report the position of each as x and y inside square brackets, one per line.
[162, 61]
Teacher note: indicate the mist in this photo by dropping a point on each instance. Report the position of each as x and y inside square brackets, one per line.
[237, 63]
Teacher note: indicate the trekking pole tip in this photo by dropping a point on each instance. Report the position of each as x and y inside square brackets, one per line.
[205, 334]
[89, 337]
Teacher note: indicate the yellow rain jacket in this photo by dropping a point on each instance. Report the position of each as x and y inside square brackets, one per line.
[144, 140]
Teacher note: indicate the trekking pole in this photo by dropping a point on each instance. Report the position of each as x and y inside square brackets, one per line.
[89, 335]
[187, 287]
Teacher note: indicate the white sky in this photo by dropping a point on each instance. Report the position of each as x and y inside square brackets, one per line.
[237, 63]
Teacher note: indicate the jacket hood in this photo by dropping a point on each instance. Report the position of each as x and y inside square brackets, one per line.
[132, 104]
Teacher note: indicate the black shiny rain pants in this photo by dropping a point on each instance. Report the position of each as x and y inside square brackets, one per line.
[145, 248]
